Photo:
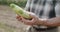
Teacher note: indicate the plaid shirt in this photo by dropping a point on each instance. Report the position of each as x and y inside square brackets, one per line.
[44, 8]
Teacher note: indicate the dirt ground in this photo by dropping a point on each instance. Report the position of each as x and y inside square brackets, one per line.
[8, 17]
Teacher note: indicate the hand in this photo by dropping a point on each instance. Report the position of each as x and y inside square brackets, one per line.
[33, 21]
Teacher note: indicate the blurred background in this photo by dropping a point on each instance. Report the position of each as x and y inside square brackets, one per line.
[8, 21]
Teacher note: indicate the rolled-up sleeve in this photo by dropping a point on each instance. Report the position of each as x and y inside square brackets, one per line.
[27, 7]
[57, 9]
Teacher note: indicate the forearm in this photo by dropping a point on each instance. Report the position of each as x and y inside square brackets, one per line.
[51, 22]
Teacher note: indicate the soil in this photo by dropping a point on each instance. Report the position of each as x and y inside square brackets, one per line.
[8, 17]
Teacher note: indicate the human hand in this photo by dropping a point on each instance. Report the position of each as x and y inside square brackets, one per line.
[33, 21]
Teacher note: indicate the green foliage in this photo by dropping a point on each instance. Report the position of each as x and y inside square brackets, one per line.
[21, 3]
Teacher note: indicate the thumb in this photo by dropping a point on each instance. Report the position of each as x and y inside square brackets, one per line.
[33, 16]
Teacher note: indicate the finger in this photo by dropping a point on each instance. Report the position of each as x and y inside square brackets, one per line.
[33, 16]
[23, 19]
[32, 19]
[17, 17]
[20, 19]
[26, 21]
